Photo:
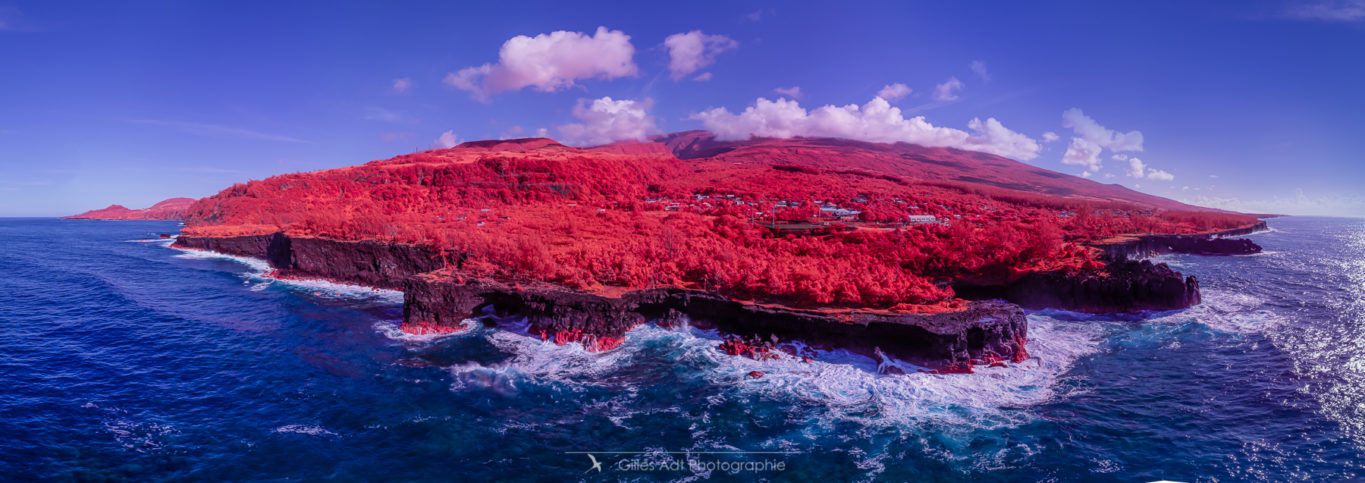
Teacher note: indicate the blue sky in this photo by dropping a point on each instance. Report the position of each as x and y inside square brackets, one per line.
[1243, 105]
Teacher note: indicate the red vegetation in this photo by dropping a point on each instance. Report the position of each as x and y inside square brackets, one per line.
[428, 328]
[590, 342]
[801, 222]
[172, 209]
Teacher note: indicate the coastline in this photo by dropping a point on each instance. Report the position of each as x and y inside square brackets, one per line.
[432, 303]
[991, 327]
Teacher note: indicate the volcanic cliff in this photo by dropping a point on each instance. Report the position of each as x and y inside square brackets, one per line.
[835, 242]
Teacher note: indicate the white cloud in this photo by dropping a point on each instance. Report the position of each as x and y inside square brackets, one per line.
[876, 121]
[1136, 168]
[1091, 139]
[793, 92]
[691, 51]
[402, 86]
[542, 132]
[446, 140]
[1050, 137]
[702, 77]
[550, 62]
[1084, 126]
[1329, 10]
[606, 120]
[1083, 153]
[894, 92]
[947, 91]
[1160, 175]
[979, 68]
[1119, 157]
[993, 137]
[1140, 170]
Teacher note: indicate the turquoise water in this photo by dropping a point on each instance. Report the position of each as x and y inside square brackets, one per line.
[123, 359]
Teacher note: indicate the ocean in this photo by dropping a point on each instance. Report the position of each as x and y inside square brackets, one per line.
[124, 359]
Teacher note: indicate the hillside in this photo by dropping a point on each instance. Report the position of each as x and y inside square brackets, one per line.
[171, 209]
[801, 222]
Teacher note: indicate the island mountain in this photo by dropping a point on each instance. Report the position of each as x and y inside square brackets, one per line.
[845, 243]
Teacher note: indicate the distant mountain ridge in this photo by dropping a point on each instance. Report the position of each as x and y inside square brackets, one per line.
[170, 209]
[911, 161]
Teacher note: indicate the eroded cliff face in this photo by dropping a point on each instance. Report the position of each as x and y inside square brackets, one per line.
[985, 329]
[1119, 287]
[1215, 244]
[374, 264]
[931, 340]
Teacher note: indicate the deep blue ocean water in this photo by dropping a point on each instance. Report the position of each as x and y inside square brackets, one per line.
[128, 360]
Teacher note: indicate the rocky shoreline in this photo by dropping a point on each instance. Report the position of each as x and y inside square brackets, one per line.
[436, 300]
[432, 302]
[1207, 244]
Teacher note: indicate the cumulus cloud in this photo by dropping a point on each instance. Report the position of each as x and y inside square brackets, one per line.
[402, 86]
[1050, 137]
[691, 51]
[1136, 168]
[894, 92]
[876, 121]
[979, 68]
[1083, 153]
[447, 140]
[793, 92]
[1091, 139]
[1084, 126]
[607, 120]
[550, 62]
[947, 91]
[1140, 170]
[1160, 175]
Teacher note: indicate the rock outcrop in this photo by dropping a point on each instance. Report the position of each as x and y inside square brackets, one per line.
[1123, 286]
[984, 329]
[1213, 244]
[930, 340]
[369, 263]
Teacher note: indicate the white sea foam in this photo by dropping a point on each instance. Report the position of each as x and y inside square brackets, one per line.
[847, 386]
[255, 264]
[305, 429]
[1225, 311]
[542, 361]
[394, 331]
[316, 287]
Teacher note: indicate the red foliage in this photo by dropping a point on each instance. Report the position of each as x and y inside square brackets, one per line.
[428, 328]
[793, 225]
